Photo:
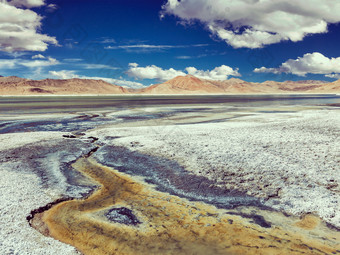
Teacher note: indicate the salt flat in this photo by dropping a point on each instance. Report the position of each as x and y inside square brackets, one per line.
[21, 191]
[284, 157]
[291, 160]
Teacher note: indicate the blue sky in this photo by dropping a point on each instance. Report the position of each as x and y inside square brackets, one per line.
[136, 43]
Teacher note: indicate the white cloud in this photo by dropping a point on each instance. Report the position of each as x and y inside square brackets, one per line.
[64, 74]
[96, 66]
[76, 62]
[155, 72]
[26, 3]
[73, 60]
[218, 73]
[31, 68]
[141, 46]
[39, 56]
[17, 63]
[133, 64]
[51, 7]
[70, 74]
[108, 40]
[333, 76]
[152, 72]
[121, 82]
[8, 63]
[201, 55]
[39, 63]
[310, 63]
[184, 57]
[149, 47]
[19, 28]
[254, 23]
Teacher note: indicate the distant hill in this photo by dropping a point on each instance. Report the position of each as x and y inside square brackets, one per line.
[182, 85]
[11, 79]
[192, 85]
[19, 86]
[189, 84]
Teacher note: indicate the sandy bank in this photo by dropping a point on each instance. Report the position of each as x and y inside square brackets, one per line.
[165, 95]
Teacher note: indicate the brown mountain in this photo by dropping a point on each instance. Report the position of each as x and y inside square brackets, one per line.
[19, 86]
[11, 79]
[333, 87]
[180, 85]
[193, 85]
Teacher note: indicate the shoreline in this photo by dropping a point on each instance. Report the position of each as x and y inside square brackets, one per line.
[160, 95]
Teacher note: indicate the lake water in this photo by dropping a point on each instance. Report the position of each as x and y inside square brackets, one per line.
[80, 113]
[55, 104]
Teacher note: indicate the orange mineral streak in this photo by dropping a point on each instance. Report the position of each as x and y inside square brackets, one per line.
[172, 225]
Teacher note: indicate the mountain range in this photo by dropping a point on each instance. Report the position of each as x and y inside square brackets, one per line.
[13, 85]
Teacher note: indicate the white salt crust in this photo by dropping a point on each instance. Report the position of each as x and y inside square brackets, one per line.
[292, 160]
[21, 192]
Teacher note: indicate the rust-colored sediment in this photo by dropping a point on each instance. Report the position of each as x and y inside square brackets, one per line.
[172, 225]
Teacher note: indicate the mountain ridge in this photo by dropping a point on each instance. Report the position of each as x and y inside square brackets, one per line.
[19, 86]
[13, 85]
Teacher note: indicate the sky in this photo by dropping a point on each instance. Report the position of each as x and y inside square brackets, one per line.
[136, 43]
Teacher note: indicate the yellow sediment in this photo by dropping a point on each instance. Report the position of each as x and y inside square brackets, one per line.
[308, 222]
[172, 225]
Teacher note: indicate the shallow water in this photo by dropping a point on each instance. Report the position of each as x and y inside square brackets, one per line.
[29, 114]
[57, 104]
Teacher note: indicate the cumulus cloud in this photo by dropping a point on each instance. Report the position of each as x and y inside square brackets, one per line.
[8, 63]
[155, 72]
[310, 63]
[70, 74]
[133, 65]
[39, 63]
[333, 76]
[38, 56]
[64, 74]
[19, 28]
[122, 82]
[32, 68]
[51, 7]
[218, 73]
[152, 72]
[17, 63]
[254, 23]
[26, 3]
